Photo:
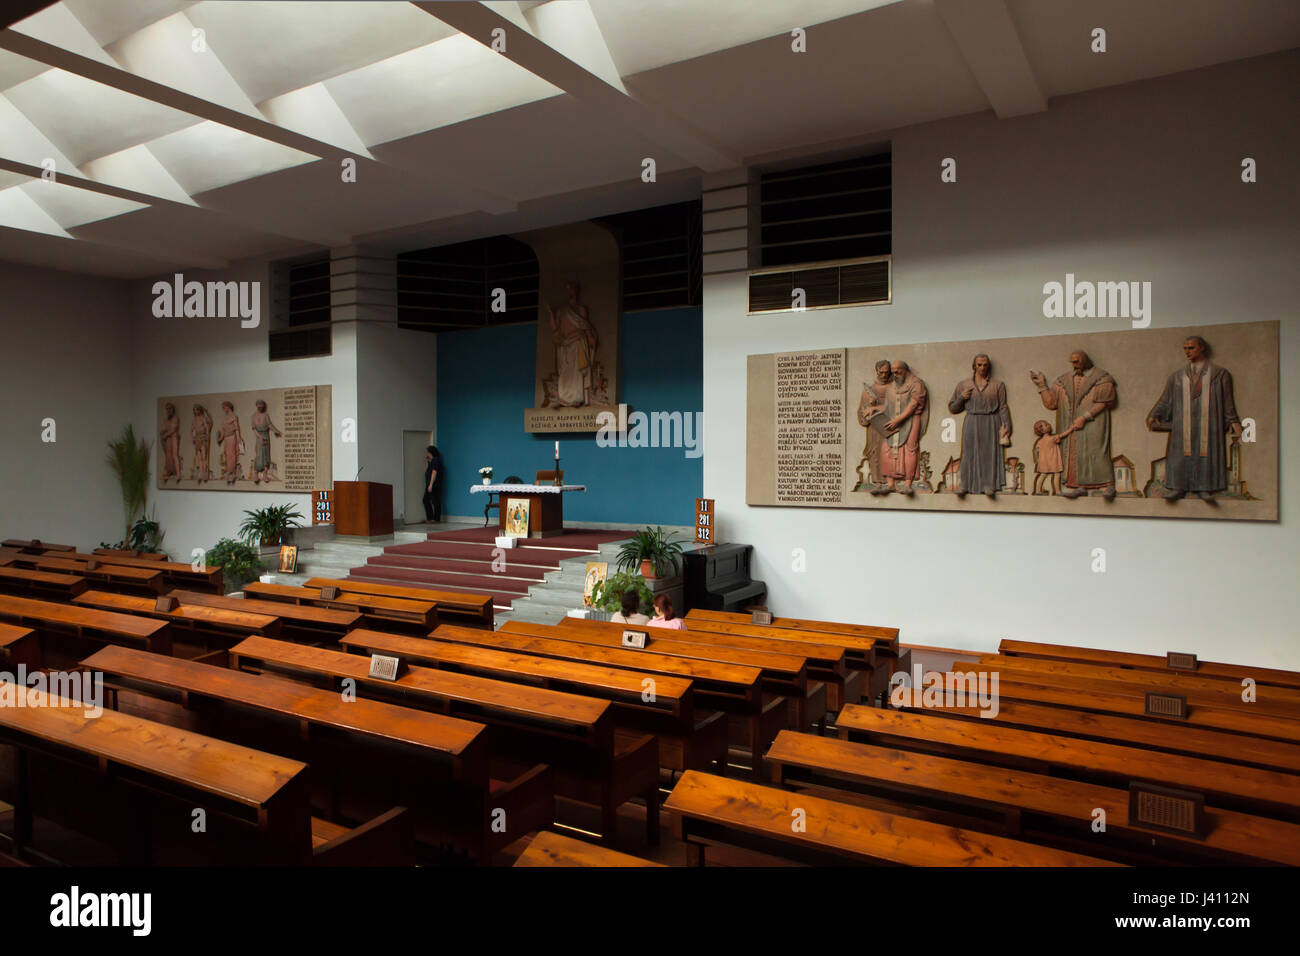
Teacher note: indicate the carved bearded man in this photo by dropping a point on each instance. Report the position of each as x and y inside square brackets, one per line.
[907, 405]
[872, 406]
[1082, 400]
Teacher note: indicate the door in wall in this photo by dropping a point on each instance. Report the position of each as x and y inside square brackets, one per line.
[413, 447]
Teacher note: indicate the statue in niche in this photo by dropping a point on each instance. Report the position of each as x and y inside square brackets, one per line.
[1198, 410]
[169, 436]
[201, 433]
[576, 373]
[872, 417]
[908, 408]
[1047, 460]
[986, 431]
[1082, 400]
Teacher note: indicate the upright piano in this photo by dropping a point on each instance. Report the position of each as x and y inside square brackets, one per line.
[716, 578]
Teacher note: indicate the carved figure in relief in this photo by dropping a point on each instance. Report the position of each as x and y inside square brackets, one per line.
[907, 405]
[1082, 400]
[1047, 460]
[575, 349]
[986, 431]
[260, 422]
[871, 416]
[170, 438]
[201, 434]
[231, 439]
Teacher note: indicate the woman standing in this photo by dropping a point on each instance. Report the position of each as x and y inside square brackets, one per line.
[262, 427]
[232, 443]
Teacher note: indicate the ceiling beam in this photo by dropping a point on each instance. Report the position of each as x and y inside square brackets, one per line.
[989, 43]
[593, 81]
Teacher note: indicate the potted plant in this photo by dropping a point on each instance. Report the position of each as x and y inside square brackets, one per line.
[238, 562]
[653, 551]
[128, 456]
[485, 473]
[608, 594]
[265, 526]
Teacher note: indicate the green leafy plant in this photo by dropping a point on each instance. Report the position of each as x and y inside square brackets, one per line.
[651, 545]
[146, 536]
[238, 562]
[608, 594]
[128, 456]
[264, 526]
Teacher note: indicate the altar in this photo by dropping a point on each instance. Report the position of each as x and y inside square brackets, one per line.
[545, 505]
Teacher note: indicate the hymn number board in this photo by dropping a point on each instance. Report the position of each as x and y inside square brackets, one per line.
[704, 527]
[322, 507]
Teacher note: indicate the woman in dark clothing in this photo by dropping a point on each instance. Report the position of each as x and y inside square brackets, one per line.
[432, 484]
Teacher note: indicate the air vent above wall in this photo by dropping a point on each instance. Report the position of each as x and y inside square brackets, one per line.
[300, 343]
[829, 285]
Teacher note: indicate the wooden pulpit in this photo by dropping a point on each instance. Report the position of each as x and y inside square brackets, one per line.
[363, 508]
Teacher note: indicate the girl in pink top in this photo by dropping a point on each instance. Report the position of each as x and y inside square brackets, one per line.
[665, 616]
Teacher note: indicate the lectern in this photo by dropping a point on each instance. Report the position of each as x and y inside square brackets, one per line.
[363, 508]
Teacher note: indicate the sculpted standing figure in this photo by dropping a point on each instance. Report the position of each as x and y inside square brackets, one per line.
[986, 430]
[575, 349]
[872, 406]
[262, 426]
[1197, 408]
[201, 432]
[170, 436]
[231, 439]
[908, 408]
[1082, 400]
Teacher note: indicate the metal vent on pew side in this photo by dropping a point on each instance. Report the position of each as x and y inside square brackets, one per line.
[1155, 807]
[824, 286]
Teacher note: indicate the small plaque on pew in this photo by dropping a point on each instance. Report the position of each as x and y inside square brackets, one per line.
[1154, 807]
[92, 565]
[165, 603]
[1165, 705]
[329, 593]
[385, 667]
[761, 615]
[1180, 662]
[635, 639]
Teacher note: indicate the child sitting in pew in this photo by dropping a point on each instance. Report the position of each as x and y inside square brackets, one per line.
[665, 616]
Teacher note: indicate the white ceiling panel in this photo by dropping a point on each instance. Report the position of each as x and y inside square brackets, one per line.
[110, 20]
[58, 25]
[14, 69]
[207, 155]
[19, 211]
[70, 206]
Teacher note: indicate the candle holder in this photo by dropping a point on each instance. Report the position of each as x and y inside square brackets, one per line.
[556, 480]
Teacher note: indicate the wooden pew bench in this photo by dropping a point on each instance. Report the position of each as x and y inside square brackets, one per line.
[886, 638]
[362, 753]
[197, 618]
[111, 576]
[1239, 837]
[301, 620]
[721, 810]
[175, 574]
[127, 553]
[41, 584]
[553, 849]
[573, 733]
[470, 610]
[34, 546]
[59, 621]
[685, 742]
[18, 645]
[1231, 786]
[386, 612]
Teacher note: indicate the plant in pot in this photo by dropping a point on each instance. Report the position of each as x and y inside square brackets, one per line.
[238, 562]
[608, 594]
[655, 553]
[266, 526]
[128, 456]
[485, 474]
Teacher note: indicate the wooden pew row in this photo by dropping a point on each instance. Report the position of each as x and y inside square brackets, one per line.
[175, 574]
[553, 849]
[360, 751]
[111, 576]
[18, 645]
[1241, 838]
[685, 741]
[1200, 691]
[470, 610]
[733, 688]
[41, 584]
[1148, 734]
[885, 637]
[197, 619]
[784, 673]
[573, 733]
[719, 810]
[61, 621]
[387, 612]
[35, 546]
[300, 620]
[127, 553]
[1148, 662]
[1231, 786]
[135, 783]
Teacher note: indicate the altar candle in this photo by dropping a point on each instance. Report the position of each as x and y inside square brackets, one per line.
[557, 451]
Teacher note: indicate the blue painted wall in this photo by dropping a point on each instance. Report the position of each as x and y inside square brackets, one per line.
[485, 381]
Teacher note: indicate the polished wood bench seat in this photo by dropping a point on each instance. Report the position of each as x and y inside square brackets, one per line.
[461, 608]
[60, 587]
[304, 619]
[421, 616]
[548, 848]
[195, 617]
[111, 575]
[175, 574]
[48, 617]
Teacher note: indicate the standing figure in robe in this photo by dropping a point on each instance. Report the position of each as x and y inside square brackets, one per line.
[262, 426]
[906, 402]
[871, 406]
[575, 349]
[986, 430]
[201, 433]
[231, 440]
[1198, 409]
[170, 437]
[1082, 400]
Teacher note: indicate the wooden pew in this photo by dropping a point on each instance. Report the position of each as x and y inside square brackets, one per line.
[116, 577]
[471, 610]
[1249, 839]
[886, 638]
[553, 849]
[35, 546]
[532, 719]
[712, 810]
[175, 574]
[18, 645]
[1230, 786]
[784, 672]
[734, 688]
[1147, 662]
[302, 619]
[128, 553]
[86, 623]
[42, 584]
[192, 617]
[684, 742]
[387, 840]
[1200, 691]
[384, 611]
[440, 761]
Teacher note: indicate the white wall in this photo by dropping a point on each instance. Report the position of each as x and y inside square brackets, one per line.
[67, 358]
[1134, 182]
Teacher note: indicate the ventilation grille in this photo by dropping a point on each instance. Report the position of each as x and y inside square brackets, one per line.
[452, 287]
[1161, 808]
[864, 282]
[662, 256]
[1166, 705]
[308, 299]
[300, 343]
